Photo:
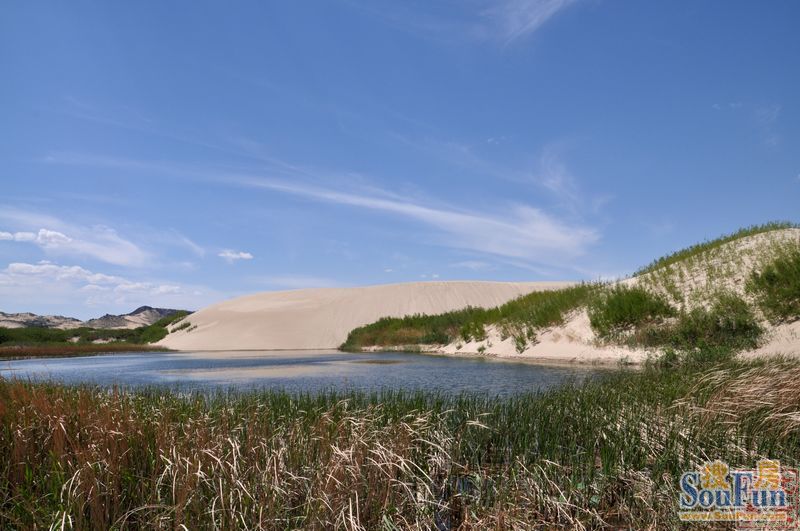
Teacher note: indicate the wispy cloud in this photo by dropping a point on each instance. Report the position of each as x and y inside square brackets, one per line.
[24, 273]
[519, 231]
[503, 21]
[47, 287]
[515, 19]
[295, 282]
[474, 265]
[57, 237]
[767, 118]
[523, 232]
[231, 256]
[553, 175]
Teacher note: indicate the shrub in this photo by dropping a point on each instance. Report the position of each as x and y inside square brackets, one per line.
[183, 326]
[473, 330]
[728, 323]
[705, 334]
[777, 286]
[621, 308]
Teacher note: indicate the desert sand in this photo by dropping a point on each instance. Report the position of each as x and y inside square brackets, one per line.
[322, 318]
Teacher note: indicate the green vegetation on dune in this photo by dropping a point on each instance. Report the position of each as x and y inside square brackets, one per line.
[412, 330]
[691, 299]
[706, 246]
[777, 287]
[597, 453]
[520, 318]
[620, 308]
[637, 317]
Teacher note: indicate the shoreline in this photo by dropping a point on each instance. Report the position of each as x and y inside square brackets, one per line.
[554, 360]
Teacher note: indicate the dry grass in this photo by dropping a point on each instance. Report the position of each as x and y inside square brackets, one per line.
[79, 349]
[598, 454]
[765, 397]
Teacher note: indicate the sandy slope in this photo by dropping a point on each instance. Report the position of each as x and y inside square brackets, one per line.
[322, 318]
[687, 284]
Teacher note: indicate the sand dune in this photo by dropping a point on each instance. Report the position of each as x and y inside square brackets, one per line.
[696, 280]
[322, 318]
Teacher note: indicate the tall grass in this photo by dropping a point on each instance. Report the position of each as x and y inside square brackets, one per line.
[413, 329]
[606, 452]
[619, 309]
[637, 317]
[56, 350]
[709, 245]
[777, 286]
[522, 316]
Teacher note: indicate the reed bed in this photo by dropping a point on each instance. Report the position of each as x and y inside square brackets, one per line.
[598, 453]
[78, 349]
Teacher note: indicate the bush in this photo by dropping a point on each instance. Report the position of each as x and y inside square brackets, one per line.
[473, 331]
[729, 323]
[777, 287]
[622, 308]
[711, 333]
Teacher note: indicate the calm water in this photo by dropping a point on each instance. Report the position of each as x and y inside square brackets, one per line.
[296, 371]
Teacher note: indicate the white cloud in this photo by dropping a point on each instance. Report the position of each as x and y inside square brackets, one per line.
[232, 256]
[514, 19]
[37, 287]
[555, 177]
[475, 265]
[57, 237]
[42, 273]
[18, 236]
[296, 282]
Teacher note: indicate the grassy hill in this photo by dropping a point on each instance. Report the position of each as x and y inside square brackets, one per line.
[723, 295]
[33, 341]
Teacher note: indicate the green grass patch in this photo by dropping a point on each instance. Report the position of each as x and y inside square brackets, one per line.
[620, 309]
[520, 317]
[727, 326]
[412, 330]
[776, 287]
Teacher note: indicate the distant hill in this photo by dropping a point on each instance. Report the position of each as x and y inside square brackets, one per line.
[142, 316]
[31, 320]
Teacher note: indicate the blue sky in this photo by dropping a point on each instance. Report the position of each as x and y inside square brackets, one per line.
[179, 153]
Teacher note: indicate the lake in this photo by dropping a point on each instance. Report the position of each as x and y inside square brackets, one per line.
[297, 371]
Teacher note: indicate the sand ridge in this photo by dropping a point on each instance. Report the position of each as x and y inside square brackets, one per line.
[321, 318]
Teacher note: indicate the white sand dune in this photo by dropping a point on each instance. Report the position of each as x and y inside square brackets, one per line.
[696, 280]
[322, 318]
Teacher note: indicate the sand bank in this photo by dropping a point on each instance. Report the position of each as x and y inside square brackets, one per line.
[322, 318]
